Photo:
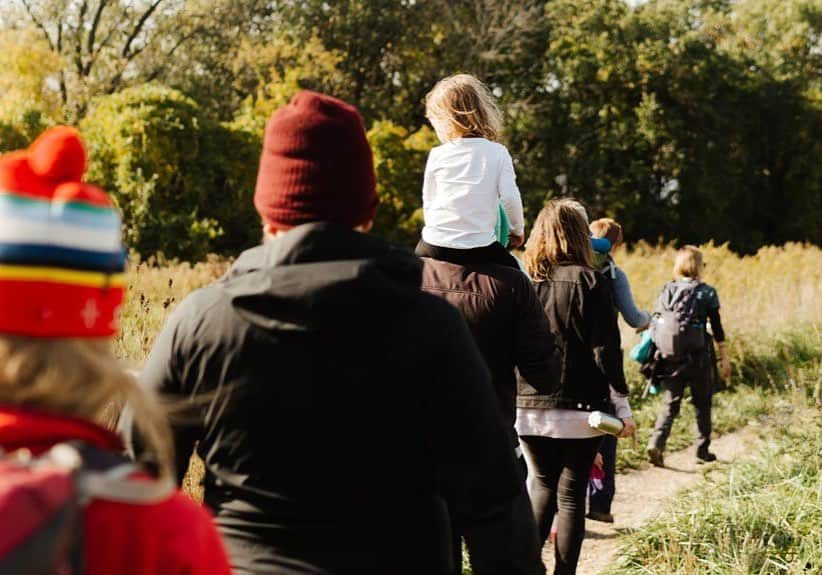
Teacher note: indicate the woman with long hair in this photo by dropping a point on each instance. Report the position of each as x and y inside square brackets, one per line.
[61, 287]
[558, 442]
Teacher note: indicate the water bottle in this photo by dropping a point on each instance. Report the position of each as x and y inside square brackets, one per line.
[605, 422]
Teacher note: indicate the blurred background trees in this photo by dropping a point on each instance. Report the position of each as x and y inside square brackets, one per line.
[686, 119]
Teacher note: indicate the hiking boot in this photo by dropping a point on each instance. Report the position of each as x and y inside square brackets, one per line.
[655, 457]
[600, 516]
[704, 456]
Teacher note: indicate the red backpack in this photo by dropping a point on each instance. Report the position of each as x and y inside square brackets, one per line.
[42, 501]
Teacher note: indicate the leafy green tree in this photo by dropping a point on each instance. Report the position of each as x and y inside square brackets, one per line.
[273, 71]
[145, 146]
[399, 160]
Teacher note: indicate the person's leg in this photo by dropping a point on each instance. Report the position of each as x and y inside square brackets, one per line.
[577, 458]
[544, 467]
[701, 397]
[600, 497]
[671, 402]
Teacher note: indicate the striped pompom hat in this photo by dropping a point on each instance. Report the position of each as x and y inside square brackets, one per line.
[61, 253]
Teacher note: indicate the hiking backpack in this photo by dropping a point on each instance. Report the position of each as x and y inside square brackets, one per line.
[677, 330]
[42, 501]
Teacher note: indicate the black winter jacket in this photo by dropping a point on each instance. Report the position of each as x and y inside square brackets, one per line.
[339, 406]
[507, 321]
[580, 310]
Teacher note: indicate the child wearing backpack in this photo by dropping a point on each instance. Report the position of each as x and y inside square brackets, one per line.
[683, 345]
[601, 485]
[468, 178]
[70, 502]
[607, 228]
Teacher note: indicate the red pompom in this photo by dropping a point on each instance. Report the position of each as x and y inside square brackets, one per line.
[17, 176]
[58, 155]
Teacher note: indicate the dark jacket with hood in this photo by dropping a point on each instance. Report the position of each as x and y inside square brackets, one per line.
[339, 405]
[580, 310]
[506, 319]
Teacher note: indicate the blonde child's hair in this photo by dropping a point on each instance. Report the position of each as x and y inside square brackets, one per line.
[461, 106]
[81, 378]
[559, 236]
[688, 262]
[607, 228]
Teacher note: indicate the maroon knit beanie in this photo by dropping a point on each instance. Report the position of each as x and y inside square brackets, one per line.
[316, 165]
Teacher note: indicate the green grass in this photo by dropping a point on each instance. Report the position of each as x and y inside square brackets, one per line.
[765, 369]
[761, 517]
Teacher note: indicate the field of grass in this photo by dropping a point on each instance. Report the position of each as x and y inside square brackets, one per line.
[760, 517]
[776, 289]
[783, 363]
[154, 289]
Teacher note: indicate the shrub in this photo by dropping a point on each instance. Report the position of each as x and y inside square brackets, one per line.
[180, 180]
[19, 128]
[399, 159]
[231, 155]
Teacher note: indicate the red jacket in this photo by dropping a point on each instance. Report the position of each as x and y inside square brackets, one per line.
[174, 537]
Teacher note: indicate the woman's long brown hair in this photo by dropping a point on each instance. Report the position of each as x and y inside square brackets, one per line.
[559, 236]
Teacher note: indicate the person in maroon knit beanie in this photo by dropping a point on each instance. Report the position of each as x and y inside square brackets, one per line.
[338, 405]
[316, 165]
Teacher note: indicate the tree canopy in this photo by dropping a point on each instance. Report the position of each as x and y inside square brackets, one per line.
[683, 119]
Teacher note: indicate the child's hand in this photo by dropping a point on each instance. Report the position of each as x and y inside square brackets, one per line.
[515, 241]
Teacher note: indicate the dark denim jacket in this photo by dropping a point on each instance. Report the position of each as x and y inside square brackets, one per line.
[580, 310]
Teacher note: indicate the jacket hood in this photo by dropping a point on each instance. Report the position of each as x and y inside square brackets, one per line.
[322, 276]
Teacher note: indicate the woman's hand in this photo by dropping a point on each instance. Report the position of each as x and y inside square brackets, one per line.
[628, 427]
[725, 368]
[598, 461]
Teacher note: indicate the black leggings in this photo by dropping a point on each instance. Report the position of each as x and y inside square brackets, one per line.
[558, 471]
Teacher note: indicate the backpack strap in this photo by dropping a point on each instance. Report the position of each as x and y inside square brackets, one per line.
[101, 474]
[114, 485]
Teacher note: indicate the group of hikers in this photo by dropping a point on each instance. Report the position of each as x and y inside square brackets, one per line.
[359, 409]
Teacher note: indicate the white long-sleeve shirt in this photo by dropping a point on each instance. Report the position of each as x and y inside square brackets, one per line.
[465, 182]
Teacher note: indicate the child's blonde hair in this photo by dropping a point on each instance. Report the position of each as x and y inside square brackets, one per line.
[461, 106]
[81, 378]
[607, 228]
[559, 236]
[688, 262]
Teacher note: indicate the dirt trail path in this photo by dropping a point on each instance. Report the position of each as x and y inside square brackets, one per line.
[640, 495]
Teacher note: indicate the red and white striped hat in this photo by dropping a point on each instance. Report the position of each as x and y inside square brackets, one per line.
[61, 253]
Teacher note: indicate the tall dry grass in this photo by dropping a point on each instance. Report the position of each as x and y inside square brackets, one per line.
[154, 289]
[763, 294]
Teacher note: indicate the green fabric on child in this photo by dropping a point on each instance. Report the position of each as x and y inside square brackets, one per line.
[503, 227]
